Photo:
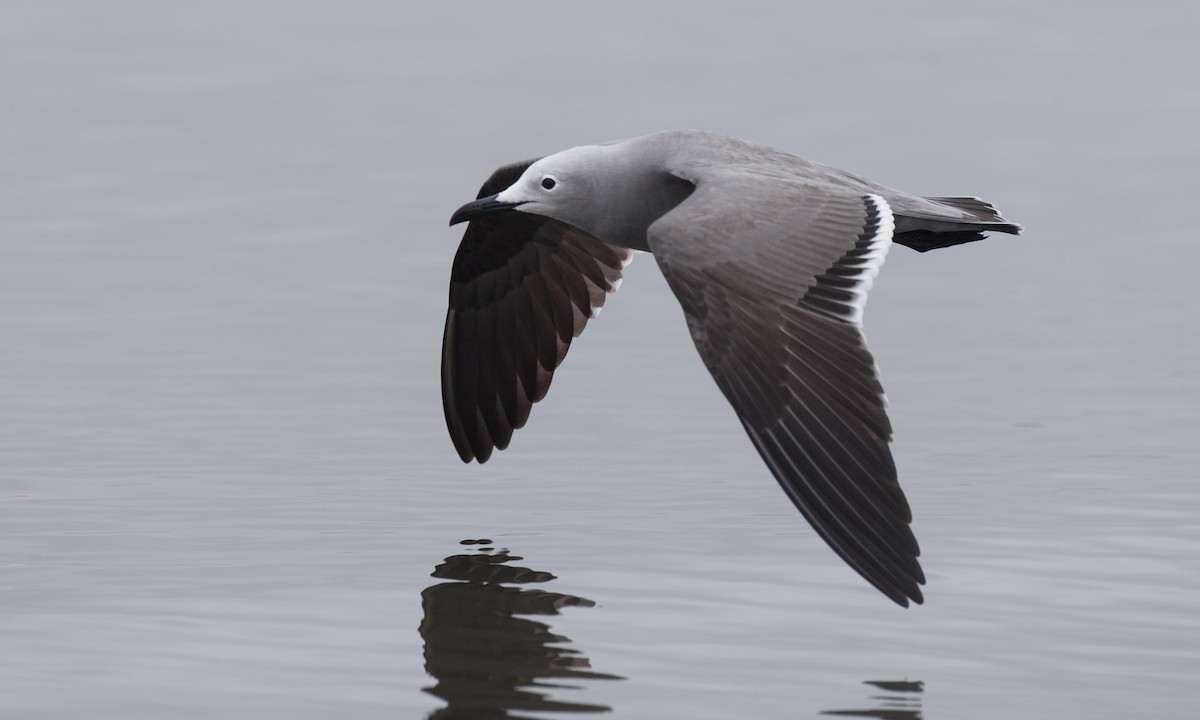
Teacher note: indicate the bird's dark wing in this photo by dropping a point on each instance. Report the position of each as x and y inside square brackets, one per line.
[522, 287]
[773, 293]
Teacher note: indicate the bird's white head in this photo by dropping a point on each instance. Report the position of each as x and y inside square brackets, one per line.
[565, 186]
[612, 192]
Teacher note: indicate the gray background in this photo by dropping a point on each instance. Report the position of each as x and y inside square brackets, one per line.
[224, 477]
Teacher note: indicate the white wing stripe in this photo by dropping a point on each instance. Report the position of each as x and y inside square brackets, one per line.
[877, 250]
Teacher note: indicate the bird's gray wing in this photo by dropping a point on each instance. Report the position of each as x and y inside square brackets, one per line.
[772, 275]
[521, 288]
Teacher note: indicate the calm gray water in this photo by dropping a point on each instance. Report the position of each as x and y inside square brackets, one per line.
[225, 487]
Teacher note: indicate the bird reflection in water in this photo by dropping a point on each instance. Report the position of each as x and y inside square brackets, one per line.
[487, 658]
[902, 701]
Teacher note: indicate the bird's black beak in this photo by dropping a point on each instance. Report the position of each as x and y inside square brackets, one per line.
[478, 208]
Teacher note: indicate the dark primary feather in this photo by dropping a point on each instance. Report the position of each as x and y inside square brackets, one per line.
[522, 287]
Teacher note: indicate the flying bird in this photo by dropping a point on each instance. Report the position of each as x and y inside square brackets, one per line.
[771, 257]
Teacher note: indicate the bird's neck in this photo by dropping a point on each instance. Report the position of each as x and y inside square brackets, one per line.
[645, 193]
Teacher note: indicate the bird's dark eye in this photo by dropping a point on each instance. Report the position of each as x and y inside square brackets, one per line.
[549, 182]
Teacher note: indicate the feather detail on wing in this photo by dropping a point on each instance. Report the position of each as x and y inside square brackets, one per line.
[522, 287]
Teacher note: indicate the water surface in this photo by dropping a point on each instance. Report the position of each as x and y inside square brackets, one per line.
[226, 487]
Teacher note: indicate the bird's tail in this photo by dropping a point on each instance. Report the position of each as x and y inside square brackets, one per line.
[922, 232]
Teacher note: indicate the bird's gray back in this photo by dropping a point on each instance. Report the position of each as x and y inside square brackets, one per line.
[698, 156]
